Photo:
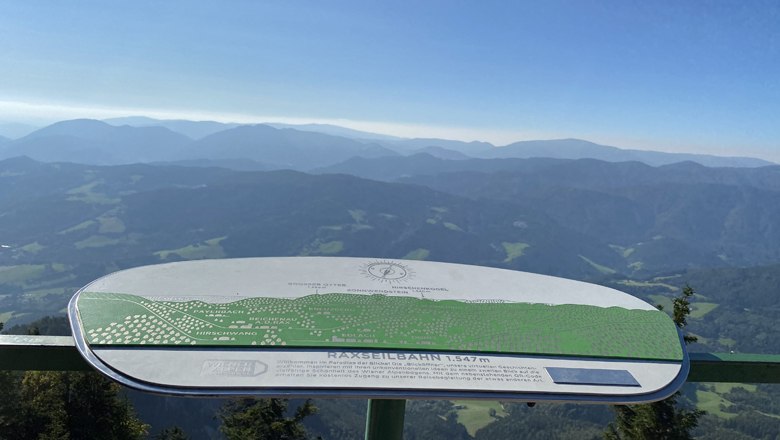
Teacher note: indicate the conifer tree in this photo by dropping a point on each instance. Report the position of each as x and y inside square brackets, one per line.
[47, 405]
[173, 433]
[263, 419]
[9, 399]
[76, 405]
[661, 420]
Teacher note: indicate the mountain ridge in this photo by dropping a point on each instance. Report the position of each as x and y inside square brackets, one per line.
[285, 148]
[579, 149]
[95, 142]
[193, 129]
[556, 148]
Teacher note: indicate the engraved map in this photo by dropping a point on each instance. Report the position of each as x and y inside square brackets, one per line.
[343, 320]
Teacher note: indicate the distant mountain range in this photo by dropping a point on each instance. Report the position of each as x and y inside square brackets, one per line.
[281, 148]
[298, 147]
[191, 129]
[95, 142]
[579, 149]
[335, 130]
[584, 173]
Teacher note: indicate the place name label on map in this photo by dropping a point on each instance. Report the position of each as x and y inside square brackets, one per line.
[422, 291]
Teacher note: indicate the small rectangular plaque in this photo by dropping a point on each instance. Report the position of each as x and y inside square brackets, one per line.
[592, 376]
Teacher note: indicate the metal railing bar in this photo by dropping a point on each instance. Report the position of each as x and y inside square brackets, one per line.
[58, 353]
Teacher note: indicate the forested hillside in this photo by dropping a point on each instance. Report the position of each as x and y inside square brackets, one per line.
[640, 229]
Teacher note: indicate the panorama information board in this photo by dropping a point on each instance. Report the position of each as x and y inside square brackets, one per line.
[357, 327]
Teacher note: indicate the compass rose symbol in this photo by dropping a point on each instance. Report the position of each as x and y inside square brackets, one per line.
[387, 271]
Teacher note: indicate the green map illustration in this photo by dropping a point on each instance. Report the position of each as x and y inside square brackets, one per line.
[340, 320]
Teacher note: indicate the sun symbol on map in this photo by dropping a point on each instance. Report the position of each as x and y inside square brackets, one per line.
[387, 271]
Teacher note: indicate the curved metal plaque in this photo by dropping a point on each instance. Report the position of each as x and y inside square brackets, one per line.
[355, 327]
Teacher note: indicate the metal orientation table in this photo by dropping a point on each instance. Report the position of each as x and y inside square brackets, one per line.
[374, 328]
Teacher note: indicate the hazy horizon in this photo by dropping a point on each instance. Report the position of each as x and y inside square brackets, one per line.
[381, 129]
[670, 77]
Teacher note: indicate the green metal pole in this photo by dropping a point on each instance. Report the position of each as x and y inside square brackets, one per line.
[385, 419]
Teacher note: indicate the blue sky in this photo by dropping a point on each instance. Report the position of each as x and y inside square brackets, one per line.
[695, 76]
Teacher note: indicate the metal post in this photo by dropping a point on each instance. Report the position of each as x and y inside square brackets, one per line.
[385, 419]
